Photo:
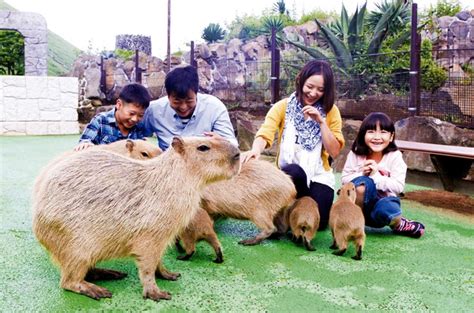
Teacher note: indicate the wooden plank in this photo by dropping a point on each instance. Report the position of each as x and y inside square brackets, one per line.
[452, 151]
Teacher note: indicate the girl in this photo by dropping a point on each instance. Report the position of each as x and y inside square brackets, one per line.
[309, 128]
[376, 167]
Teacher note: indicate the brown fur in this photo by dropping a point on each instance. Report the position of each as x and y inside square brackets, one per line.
[347, 222]
[259, 193]
[304, 221]
[201, 227]
[133, 148]
[96, 205]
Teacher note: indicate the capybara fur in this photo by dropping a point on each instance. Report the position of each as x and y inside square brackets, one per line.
[258, 193]
[97, 205]
[304, 221]
[133, 148]
[347, 222]
[200, 228]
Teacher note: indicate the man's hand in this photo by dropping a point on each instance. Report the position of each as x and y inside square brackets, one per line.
[213, 135]
[83, 146]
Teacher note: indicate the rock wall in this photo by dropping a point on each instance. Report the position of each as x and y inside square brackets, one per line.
[134, 42]
[33, 105]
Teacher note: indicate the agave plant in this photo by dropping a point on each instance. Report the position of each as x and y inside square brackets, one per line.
[212, 33]
[280, 7]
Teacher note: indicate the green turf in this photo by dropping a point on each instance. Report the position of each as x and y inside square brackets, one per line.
[434, 273]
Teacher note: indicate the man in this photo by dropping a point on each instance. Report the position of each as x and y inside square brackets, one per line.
[122, 122]
[185, 112]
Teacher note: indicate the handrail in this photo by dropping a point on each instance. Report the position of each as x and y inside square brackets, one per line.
[431, 148]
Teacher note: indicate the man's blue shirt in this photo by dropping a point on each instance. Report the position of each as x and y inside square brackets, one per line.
[210, 115]
[103, 129]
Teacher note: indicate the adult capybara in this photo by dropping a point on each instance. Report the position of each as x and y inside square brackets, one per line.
[96, 205]
[200, 228]
[258, 193]
[347, 222]
[304, 221]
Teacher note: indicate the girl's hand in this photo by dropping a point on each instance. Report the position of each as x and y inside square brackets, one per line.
[248, 155]
[369, 168]
[313, 113]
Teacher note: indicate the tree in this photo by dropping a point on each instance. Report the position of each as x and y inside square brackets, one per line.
[12, 53]
[280, 7]
[212, 33]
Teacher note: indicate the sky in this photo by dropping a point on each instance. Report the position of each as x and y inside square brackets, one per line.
[95, 23]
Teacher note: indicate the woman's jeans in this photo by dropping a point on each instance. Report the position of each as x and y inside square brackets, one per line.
[378, 211]
[322, 194]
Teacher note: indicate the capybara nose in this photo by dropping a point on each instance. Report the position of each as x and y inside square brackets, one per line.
[236, 157]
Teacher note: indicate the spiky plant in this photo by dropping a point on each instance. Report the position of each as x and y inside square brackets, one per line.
[212, 33]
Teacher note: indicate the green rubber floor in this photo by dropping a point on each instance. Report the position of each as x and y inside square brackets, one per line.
[434, 273]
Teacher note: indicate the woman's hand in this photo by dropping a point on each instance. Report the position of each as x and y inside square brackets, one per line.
[248, 155]
[313, 113]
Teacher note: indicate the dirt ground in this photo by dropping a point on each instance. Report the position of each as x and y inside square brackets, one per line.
[459, 203]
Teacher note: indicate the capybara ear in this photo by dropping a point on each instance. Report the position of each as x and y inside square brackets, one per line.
[129, 145]
[178, 144]
[338, 191]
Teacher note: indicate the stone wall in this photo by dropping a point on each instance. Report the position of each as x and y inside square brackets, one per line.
[34, 105]
[134, 42]
[32, 27]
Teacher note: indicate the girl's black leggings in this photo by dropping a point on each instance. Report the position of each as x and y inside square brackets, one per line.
[322, 194]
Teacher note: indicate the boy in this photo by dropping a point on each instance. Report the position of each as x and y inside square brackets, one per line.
[122, 122]
[185, 112]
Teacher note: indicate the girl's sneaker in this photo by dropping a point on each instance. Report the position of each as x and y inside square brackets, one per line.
[409, 228]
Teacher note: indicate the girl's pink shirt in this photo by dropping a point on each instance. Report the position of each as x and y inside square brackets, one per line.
[389, 178]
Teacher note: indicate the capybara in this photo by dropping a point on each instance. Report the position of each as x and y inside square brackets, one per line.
[304, 221]
[133, 148]
[347, 222]
[200, 228]
[258, 193]
[96, 205]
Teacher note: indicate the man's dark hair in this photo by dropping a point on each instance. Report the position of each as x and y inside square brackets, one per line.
[137, 94]
[181, 80]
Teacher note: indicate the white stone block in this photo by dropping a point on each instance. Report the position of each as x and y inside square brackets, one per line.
[69, 84]
[69, 128]
[28, 110]
[14, 81]
[36, 128]
[14, 92]
[53, 128]
[69, 100]
[37, 87]
[10, 109]
[50, 116]
[68, 114]
[12, 128]
[49, 105]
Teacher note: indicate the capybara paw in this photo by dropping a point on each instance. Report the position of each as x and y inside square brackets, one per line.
[168, 275]
[104, 274]
[93, 291]
[357, 258]
[156, 295]
[185, 257]
[218, 260]
[249, 242]
[339, 252]
[333, 246]
[310, 247]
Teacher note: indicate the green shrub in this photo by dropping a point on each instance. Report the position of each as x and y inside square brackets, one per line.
[212, 33]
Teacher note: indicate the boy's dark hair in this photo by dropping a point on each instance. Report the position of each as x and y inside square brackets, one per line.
[317, 67]
[179, 81]
[359, 146]
[137, 94]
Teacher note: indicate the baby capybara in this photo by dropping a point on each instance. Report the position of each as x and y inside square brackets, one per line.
[96, 205]
[259, 193]
[347, 222]
[200, 228]
[304, 221]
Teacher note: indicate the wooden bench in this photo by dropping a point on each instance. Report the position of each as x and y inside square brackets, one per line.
[451, 162]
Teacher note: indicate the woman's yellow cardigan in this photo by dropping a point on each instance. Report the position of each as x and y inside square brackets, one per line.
[275, 120]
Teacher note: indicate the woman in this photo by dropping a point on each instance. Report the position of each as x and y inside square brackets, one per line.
[309, 128]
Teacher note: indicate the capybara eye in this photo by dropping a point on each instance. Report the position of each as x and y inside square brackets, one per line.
[203, 148]
[144, 154]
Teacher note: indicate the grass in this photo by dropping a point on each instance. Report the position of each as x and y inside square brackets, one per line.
[434, 273]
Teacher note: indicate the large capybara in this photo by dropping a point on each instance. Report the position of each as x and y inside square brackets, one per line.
[347, 222]
[200, 228]
[259, 193]
[304, 221]
[96, 205]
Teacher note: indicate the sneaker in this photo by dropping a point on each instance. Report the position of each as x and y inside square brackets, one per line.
[409, 228]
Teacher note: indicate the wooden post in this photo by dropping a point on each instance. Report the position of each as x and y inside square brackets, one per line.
[275, 69]
[138, 70]
[414, 103]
